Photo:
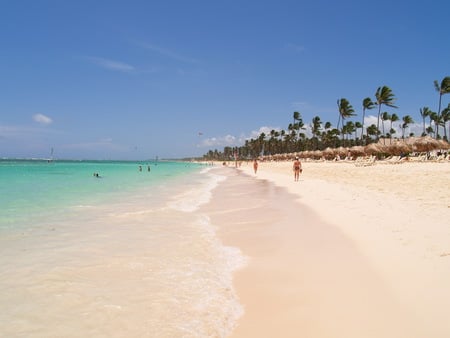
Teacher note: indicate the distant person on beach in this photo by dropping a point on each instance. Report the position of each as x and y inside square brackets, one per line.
[148, 168]
[255, 165]
[140, 168]
[297, 167]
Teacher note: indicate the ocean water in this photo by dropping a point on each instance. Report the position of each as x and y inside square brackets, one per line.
[126, 254]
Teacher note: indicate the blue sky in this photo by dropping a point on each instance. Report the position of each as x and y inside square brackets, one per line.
[139, 79]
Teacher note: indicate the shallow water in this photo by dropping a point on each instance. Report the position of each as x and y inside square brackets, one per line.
[128, 254]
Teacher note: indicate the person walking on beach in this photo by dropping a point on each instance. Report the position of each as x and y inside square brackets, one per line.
[255, 165]
[297, 167]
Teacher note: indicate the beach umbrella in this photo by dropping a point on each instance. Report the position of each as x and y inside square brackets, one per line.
[444, 145]
[399, 148]
[305, 154]
[341, 151]
[426, 143]
[357, 151]
[328, 153]
[317, 154]
[373, 148]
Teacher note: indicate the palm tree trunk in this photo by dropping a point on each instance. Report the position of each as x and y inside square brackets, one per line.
[378, 121]
[439, 114]
[362, 129]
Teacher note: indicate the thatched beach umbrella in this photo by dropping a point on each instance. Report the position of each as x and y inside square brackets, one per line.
[306, 154]
[341, 151]
[317, 154]
[399, 148]
[357, 151]
[426, 143]
[291, 156]
[373, 148]
[328, 153]
[444, 145]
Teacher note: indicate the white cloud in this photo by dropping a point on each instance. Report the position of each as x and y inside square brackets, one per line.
[42, 119]
[369, 120]
[111, 64]
[416, 128]
[232, 141]
[221, 141]
[265, 129]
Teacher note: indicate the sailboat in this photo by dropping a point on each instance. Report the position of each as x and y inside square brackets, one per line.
[51, 156]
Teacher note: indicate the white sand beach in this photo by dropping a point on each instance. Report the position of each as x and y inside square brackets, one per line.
[370, 257]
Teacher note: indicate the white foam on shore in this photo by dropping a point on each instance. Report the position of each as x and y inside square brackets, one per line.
[191, 199]
[217, 303]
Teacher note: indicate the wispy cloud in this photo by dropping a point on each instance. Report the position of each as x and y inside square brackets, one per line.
[111, 64]
[42, 119]
[166, 52]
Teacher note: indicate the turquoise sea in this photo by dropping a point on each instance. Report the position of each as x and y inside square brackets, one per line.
[127, 253]
[32, 189]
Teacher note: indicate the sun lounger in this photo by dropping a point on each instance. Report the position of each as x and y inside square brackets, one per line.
[365, 161]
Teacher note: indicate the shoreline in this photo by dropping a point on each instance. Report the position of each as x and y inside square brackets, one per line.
[385, 226]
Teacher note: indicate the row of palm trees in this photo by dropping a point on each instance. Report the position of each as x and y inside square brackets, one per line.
[294, 139]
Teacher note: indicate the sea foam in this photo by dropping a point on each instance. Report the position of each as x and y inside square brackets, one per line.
[191, 199]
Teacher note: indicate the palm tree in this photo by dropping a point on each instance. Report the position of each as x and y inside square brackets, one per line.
[296, 116]
[445, 114]
[407, 120]
[433, 120]
[350, 128]
[443, 88]
[345, 110]
[282, 136]
[384, 117]
[316, 125]
[394, 118]
[358, 126]
[439, 122]
[424, 112]
[372, 130]
[384, 95]
[367, 104]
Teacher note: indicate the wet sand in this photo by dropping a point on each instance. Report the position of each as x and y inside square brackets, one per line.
[332, 257]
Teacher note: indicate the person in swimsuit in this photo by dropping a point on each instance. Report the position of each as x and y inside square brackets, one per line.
[297, 167]
[255, 165]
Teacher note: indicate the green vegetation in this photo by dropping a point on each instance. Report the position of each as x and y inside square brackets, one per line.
[323, 135]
